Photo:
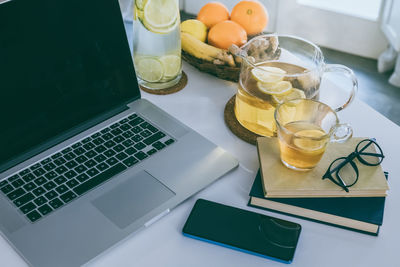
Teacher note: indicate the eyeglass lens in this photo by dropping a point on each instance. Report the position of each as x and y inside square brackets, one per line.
[367, 154]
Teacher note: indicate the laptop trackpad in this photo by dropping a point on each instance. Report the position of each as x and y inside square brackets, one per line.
[132, 199]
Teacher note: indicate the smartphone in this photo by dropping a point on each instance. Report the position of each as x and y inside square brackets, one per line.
[243, 230]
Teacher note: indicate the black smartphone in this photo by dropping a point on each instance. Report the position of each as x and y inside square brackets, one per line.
[243, 230]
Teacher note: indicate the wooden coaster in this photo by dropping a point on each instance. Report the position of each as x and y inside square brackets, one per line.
[170, 90]
[234, 125]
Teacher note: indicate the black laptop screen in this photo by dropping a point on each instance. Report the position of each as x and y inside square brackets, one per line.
[62, 63]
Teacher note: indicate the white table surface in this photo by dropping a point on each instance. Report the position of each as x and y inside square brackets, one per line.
[200, 105]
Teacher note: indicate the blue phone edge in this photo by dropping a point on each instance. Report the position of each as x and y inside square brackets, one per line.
[236, 248]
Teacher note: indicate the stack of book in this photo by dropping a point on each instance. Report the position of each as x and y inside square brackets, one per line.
[307, 195]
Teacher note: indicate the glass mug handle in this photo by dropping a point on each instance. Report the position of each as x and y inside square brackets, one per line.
[349, 74]
[341, 133]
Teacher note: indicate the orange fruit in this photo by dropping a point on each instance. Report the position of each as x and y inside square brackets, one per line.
[212, 13]
[226, 33]
[251, 15]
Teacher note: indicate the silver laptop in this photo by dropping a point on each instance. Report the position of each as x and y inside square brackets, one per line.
[84, 161]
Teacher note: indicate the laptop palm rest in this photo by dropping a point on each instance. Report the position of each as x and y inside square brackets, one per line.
[132, 199]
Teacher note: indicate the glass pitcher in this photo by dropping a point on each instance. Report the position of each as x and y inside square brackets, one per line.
[277, 68]
[157, 43]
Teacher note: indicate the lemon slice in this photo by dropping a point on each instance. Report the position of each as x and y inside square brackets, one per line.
[265, 74]
[309, 145]
[171, 64]
[149, 69]
[293, 94]
[160, 14]
[140, 3]
[279, 88]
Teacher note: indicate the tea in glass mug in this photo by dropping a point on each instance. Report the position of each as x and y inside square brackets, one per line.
[279, 68]
[304, 128]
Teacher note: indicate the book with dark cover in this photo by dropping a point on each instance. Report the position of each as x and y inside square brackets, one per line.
[363, 214]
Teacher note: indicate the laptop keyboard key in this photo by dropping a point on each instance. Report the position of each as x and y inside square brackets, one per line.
[39, 191]
[109, 153]
[24, 199]
[35, 166]
[121, 156]
[115, 125]
[102, 166]
[116, 131]
[57, 155]
[130, 161]
[59, 161]
[99, 179]
[62, 189]
[39, 172]
[82, 177]
[16, 193]
[50, 166]
[92, 172]
[17, 183]
[98, 141]
[60, 180]
[128, 143]
[29, 177]
[80, 169]
[90, 154]
[141, 155]
[136, 121]
[50, 195]
[110, 143]
[139, 146]
[81, 159]
[61, 170]
[90, 163]
[76, 145]
[118, 139]
[112, 161]
[125, 127]
[72, 183]
[152, 128]
[28, 208]
[119, 148]
[40, 201]
[136, 129]
[70, 174]
[22, 173]
[45, 209]
[89, 146]
[67, 197]
[71, 164]
[86, 140]
[3, 183]
[100, 149]
[7, 189]
[155, 137]
[105, 130]
[130, 151]
[127, 134]
[100, 158]
[33, 216]
[67, 150]
[79, 151]
[50, 185]
[29, 186]
[50, 175]
[131, 117]
[145, 133]
[69, 156]
[56, 203]
[151, 151]
[107, 136]
[40, 180]
[158, 145]
[45, 161]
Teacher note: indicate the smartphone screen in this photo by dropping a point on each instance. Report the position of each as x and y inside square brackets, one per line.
[243, 230]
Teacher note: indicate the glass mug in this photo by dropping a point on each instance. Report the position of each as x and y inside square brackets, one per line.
[157, 43]
[276, 68]
[304, 129]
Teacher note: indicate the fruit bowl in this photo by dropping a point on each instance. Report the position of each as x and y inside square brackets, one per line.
[224, 72]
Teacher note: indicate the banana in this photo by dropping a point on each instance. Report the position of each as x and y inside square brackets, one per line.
[198, 48]
[201, 50]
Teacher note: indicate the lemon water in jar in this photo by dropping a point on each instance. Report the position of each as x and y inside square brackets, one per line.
[157, 43]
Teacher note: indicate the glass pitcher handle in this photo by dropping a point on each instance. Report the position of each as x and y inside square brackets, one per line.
[347, 72]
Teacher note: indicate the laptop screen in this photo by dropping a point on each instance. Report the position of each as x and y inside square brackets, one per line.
[62, 63]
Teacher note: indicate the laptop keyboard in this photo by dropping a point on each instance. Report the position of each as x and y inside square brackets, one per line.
[62, 177]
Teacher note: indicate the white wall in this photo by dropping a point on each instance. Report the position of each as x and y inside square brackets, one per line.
[330, 29]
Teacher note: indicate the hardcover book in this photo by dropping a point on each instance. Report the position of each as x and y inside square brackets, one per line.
[280, 181]
[362, 214]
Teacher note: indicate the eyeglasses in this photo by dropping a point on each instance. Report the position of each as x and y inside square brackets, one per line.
[344, 172]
